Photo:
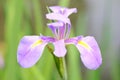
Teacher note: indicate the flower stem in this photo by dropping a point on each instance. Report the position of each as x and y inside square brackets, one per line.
[60, 64]
[65, 70]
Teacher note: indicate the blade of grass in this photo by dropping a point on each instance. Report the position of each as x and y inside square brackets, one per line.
[115, 67]
[46, 64]
[13, 19]
[25, 74]
[73, 62]
[36, 73]
[81, 26]
[93, 75]
[39, 27]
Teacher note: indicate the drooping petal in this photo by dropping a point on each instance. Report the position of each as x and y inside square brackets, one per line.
[90, 52]
[89, 49]
[59, 17]
[30, 50]
[60, 49]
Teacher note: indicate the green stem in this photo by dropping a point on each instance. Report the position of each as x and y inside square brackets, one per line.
[60, 64]
[65, 70]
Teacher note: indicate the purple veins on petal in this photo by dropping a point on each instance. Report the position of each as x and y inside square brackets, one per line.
[54, 26]
[30, 50]
[68, 28]
[59, 47]
[60, 30]
[90, 52]
[48, 39]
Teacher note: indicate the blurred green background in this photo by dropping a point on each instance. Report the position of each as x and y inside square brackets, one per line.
[98, 18]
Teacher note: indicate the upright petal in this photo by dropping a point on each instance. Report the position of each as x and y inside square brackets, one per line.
[56, 28]
[90, 52]
[60, 49]
[55, 9]
[30, 50]
[55, 24]
[70, 11]
[59, 17]
[63, 10]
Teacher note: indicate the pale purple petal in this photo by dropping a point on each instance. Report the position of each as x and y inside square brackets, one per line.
[73, 40]
[30, 50]
[89, 49]
[2, 61]
[55, 24]
[58, 29]
[70, 11]
[62, 10]
[55, 9]
[68, 28]
[62, 32]
[60, 49]
[59, 17]
[90, 52]
[48, 39]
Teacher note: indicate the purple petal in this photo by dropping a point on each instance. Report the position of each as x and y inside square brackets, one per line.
[62, 10]
[48, 39]
[73, 40]
[68, 30]
[58, 29]
[90, 52]
[60, 49]
[56, 24]
[55, 9]
[30, 50]
[70, 11]
[59, 17]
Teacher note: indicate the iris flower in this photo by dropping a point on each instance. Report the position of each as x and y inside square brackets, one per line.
[30, 48]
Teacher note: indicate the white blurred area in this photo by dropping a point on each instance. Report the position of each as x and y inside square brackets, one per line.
[104, 23]
[104, 16]
[95, 13]
[115, 24]
[101, 11]
[1, 61]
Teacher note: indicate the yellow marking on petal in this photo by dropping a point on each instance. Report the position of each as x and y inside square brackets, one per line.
[38, 42]
[84, 44]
